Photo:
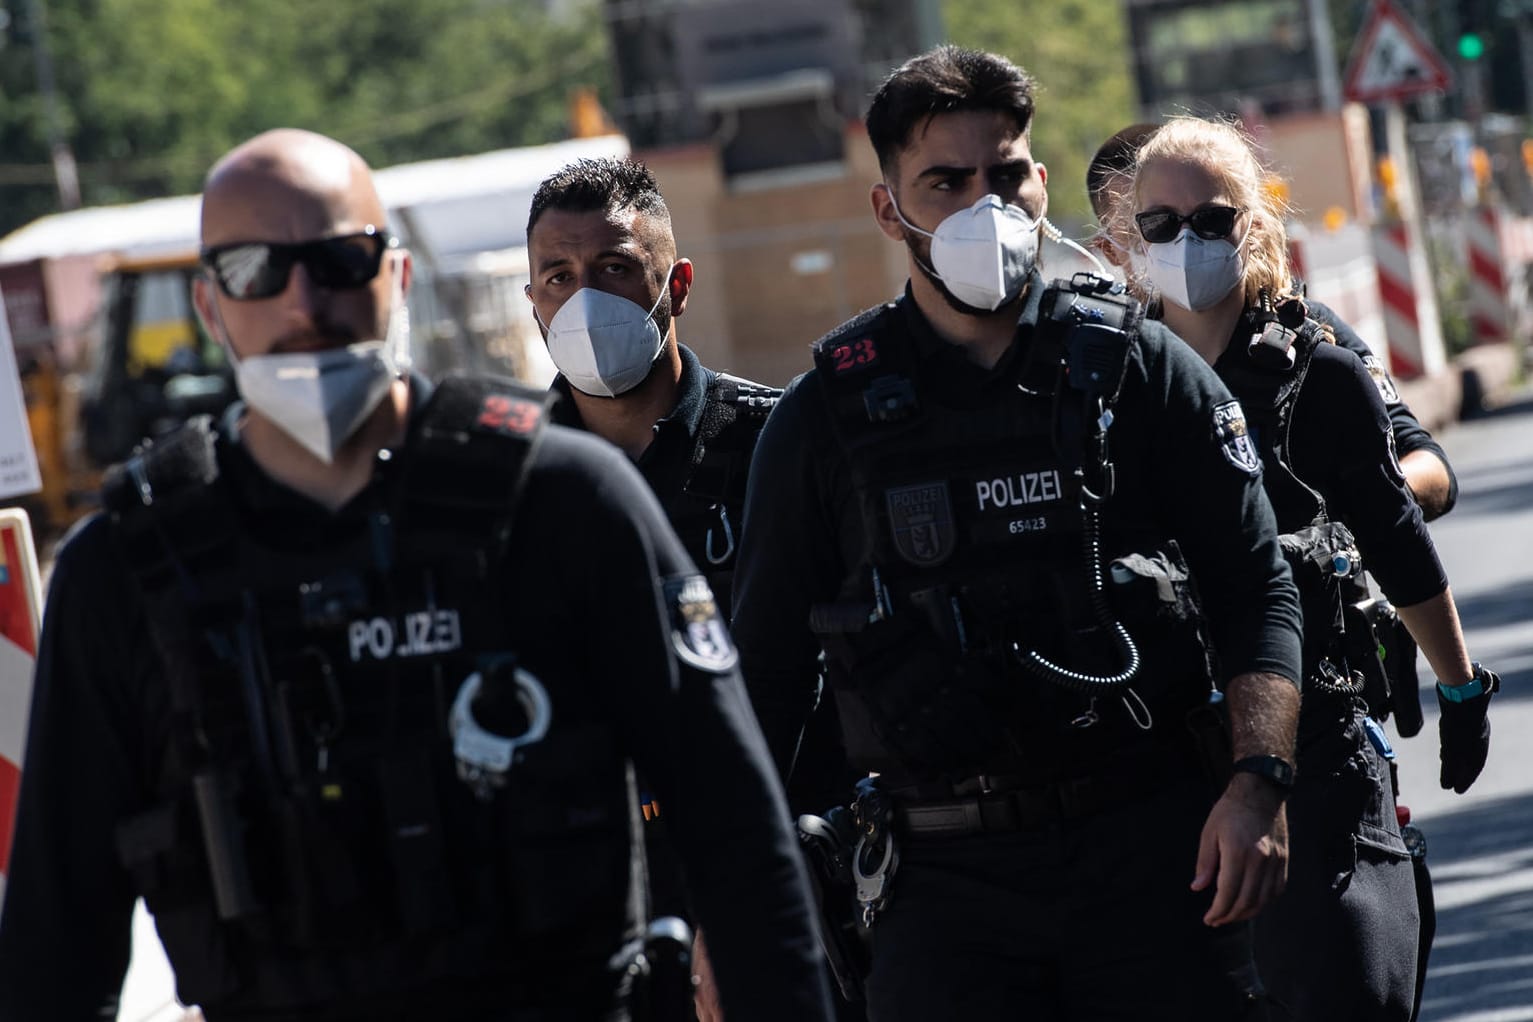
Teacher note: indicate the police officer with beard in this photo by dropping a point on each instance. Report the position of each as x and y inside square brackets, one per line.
[607, 289]
[988, 504]
[351, 686]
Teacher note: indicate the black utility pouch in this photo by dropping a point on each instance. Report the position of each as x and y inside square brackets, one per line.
[1155, 597]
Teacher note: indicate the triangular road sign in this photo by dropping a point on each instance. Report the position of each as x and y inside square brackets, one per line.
[1392, 60]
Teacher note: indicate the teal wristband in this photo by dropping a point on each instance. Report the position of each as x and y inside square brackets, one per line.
[1471, 689]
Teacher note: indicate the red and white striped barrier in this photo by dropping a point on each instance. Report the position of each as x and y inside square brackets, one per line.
[20, 610]
[1338, 270]
[1410, 304]
[1499, 248]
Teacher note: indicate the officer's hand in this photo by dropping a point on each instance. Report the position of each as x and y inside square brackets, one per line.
[1244, 843]
[705, 999]
[1463, 733]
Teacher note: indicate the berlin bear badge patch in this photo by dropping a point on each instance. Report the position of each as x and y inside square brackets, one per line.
[921, 517]
[1234, 438]
[698, 633]
[1381, 379]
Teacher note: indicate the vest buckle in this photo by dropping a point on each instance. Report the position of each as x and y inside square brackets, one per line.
[890, 399]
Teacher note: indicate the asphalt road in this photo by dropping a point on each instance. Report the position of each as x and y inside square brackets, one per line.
[1480, 844]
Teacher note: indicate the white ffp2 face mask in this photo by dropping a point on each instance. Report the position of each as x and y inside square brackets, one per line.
[604, 344]
[983, 254]
[1194, 273]
[321, 398]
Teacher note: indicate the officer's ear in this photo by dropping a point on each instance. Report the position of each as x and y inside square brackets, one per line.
[405, 267]
[884, 213]
[680, 286]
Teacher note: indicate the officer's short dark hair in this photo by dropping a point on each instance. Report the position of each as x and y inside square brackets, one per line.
[1114, 161]
[599, 184]
[948, 79]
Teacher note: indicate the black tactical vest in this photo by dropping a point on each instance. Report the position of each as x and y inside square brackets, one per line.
[314, 835]
[1267, 379]
[973, 557]
[709, 509]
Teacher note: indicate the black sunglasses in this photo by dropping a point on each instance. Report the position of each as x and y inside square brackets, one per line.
[247, 270]
[1209, 223]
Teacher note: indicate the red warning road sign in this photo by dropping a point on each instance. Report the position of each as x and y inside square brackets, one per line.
[1392, 60]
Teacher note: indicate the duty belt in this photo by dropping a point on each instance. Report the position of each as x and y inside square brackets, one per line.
[1008, 804]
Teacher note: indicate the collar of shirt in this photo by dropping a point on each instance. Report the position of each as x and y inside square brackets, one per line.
[947, 365]
[1234, 354]
[665, 461]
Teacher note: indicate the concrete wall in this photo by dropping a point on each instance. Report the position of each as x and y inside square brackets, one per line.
[780, 259]
[1326, 158]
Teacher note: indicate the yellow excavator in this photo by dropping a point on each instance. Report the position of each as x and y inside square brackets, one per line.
[155, 366]
[149, 367]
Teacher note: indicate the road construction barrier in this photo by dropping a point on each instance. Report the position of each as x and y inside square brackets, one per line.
[1411, 320]
[1499, 249]
[1338, 270]
[20, 613]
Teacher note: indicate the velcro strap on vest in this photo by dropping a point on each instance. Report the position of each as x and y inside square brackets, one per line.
[734, 411]
[866, 370]
[164, 493]
[468, 455]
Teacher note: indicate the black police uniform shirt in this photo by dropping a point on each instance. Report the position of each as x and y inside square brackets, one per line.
[804, 530]
[1342, 440]
[1410, 434]
[586, 560]
[667, 463]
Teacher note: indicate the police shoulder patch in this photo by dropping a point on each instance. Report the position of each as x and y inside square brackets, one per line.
[698, 633]
[1234, 439]
[1381, 379]
[507, 413]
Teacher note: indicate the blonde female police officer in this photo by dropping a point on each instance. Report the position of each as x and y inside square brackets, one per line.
[1207, 239]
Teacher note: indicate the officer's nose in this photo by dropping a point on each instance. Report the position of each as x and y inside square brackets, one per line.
[302, 297]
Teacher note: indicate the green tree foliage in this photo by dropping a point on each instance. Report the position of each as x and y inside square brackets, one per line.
[152, 91]
[1078, 50]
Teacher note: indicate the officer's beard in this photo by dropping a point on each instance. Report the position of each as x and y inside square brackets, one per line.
[920, 251]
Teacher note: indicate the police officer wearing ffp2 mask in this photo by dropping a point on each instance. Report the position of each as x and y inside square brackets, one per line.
[362, 729]
[914, 514]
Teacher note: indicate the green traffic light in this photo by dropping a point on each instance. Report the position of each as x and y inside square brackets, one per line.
[1471, 46]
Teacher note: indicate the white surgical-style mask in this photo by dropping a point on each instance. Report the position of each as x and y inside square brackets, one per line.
[1191, 272]
[603, 343]
[983, 254]
[321, 398]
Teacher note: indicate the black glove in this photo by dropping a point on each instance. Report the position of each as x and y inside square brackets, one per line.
[1463, 730]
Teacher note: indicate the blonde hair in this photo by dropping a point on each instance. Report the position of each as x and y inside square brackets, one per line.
[1231, 158]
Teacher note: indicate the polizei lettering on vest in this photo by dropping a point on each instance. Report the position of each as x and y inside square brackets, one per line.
[1018, 490]
[418, 634]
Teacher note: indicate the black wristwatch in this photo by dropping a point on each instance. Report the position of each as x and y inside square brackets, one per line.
[1275, 769]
